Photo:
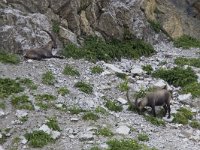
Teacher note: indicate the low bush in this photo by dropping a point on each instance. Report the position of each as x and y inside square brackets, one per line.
[95, 49]
[188, 61]
[69, 70]
[176, 76]
[186, 42]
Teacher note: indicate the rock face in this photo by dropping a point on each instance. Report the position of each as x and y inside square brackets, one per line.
[177, 17]
[22, 21]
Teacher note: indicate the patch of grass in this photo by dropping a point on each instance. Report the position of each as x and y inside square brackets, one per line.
[76, 110]
[121, 75]
[96, 70]
[193, 88]
[104, 132]
[95, 148]
[95, 49]
[101, 110]
[3, 138]
[2, 105]
[183, 116]
[123, 86]
[44, 101]
[69, 70]
[187, 42]
[48, 78]
[55, 27]
[155, 25]
[148, 69]
[90, 116]
[52, 123]
[8, 58]
[188, 61]
[23, 119]
[38, 139]
[22, 102]
[143, 137]
[28, 83]
[113, 106]
[195, 124]
[126, 144]
[176, 76]
[8, 87]
[63, 91]
[155, 121]
[84, 87]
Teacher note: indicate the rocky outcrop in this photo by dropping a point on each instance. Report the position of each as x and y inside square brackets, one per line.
[177, 17]
[23, 20]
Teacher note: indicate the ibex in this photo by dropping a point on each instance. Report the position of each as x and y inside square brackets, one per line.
[160, 97]
[44, 51]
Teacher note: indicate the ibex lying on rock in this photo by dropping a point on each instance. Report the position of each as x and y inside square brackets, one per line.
[160, 97]
[44, 51]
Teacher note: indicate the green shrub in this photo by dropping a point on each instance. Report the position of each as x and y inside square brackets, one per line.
[63, 91]
[22, 102]
[3, 138]
[55, 27]
[195, 124]
[147, 68]
[123, 86]
[176, 76]
[193, 88]
[9, 58]
[121, 75]
[95, 49]
[126, 144]
[104, 132]
[38, 139]
[28, 83]
[48, 78]
[96, 70]
[90, 116]
[84, 87]
[69, 70]
[155, 121]
[52, 123]
[182, 116]
[44, 101]
[113, 106]
[188, 61]
[186, 42]
[143, 137]
[9, 86]
[76, 110]
[155, 25]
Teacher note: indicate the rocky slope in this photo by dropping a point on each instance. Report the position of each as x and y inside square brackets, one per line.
[77, 133]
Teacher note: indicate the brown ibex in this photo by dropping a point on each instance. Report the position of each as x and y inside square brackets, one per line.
[160, 97]
[44, 51]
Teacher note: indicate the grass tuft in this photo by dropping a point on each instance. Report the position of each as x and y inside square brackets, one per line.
[90, 116]
[8, 58]
[63, 91]
[9, 86]
[121, 75]
[155, 121]
[188, 61]
[48, 78]
[195, 124]
[187, 42]
[143, 137]
[113, 106]
[69, 70]
[123, 86]
[28, 83]
[148, 69]
[22, 102]
[52, 123]
[104, 132]
[84, 87]
[96, 70]
[155, 25]
[38, 139]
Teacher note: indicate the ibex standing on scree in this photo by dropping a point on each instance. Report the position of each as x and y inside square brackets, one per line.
[44, 51]
[160, 97]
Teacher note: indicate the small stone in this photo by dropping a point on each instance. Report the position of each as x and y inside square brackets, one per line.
[2, 113]
[74, 119]
[137, 70]
[168, 119]
[86, 136]
[59, 105]
[23, 140]
[1, 148]
[21, 113]
[122, 101]
[45, 128]
[123, 130]
[113, 68]
[184, 97]
[71, 136]
[104, 146]
[55, 134]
